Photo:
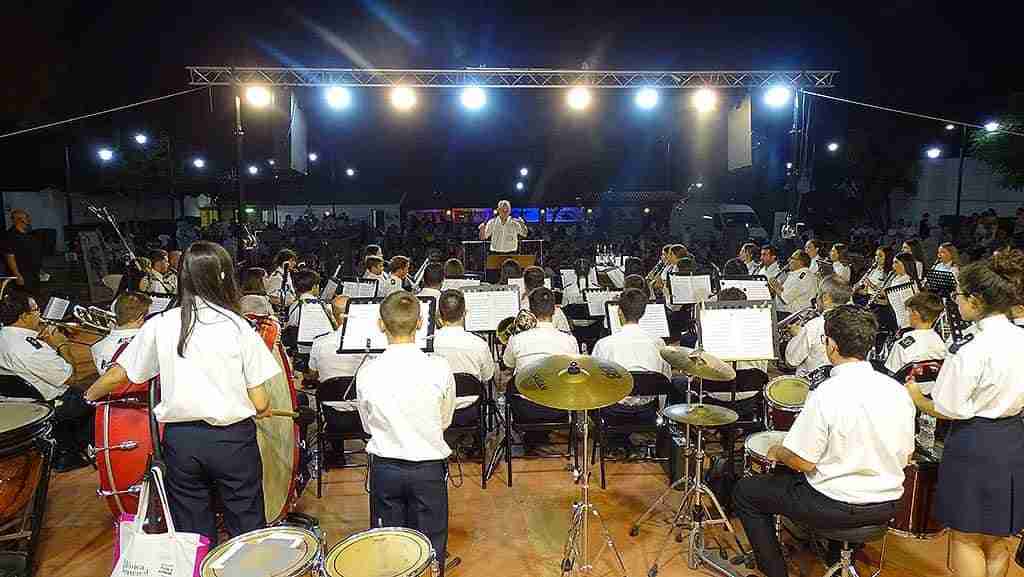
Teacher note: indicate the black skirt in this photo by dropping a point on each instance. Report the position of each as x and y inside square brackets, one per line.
[981, 477]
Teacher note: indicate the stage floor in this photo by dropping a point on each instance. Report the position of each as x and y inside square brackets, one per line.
[518, 530]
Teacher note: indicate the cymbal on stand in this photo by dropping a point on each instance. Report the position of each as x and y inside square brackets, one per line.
[574, 382]
[698, 364]
[700, 415]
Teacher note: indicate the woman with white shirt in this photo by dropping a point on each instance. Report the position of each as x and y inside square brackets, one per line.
[840, 257]
[874, 280]
[948, 259]
[981, 389]
[912, 246]
[212, 367]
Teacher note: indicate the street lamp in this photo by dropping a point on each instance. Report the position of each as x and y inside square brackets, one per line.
[199, 163]
[350, 172]
[833, 146]
[105, 154]
[991, 126]
[523, 172]
[313, 157]
[933, 152]
[141, 138]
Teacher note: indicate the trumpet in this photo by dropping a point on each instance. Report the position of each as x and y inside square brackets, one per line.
[509, 326]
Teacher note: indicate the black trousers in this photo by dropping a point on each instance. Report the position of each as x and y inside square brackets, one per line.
[73, 422]
[527, 412]
[413, 495]
[758, 499]
[201, 457]
[619, 414]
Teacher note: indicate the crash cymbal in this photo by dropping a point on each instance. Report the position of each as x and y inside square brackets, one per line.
[574, 382]
[698, 364]
[700, 415]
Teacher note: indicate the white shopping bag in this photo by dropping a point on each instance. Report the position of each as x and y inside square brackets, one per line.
[170, 554]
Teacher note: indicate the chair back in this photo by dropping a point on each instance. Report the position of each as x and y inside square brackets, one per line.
[334, 389]
[467, 385]
[649, 384]
[746, 380]
[16, 387]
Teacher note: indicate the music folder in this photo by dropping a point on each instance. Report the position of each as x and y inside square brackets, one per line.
[754, 286]
[738, 330]
[56, 309]
[596, 298]
[654, 322]
[688, 289]
[353, 287]
[488, 305]
[362, 327]
[897, 296]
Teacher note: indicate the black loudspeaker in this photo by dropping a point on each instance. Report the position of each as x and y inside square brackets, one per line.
[673, 446]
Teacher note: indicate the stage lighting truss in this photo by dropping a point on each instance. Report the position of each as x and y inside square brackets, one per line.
[507, 78]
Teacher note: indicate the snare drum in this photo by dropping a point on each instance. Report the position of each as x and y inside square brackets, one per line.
[755, 452]
[24, 430]
[387, 552]
[784, 398]
[282, 551]
[914, 517]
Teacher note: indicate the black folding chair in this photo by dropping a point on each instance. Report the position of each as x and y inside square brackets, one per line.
[472, 419]
[16, 387]
[645, 384]
[525, 425]
[332, 390]
[751, 410]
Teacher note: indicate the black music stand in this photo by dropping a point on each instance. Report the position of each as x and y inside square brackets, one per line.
[940, 282]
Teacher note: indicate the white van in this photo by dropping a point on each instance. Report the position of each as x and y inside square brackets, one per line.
[696, 219]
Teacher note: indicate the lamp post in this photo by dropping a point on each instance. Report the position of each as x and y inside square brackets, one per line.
[960, 177]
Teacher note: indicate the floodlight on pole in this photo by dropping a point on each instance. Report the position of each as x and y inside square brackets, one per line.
[704, 100]
[105, 154]
[350, 172]
[524, 172]
[254, 170]
[271, 162]
[646, 98]
[777, 96]
[578, 98]
[257, 96]
[403, 98]
[313, 157]
[833, 146]
[198, 163]
[338, 97]
[991, 126]
[933, 152]
[950, 127]
[520, 186]
[473, 97]
[141, 139]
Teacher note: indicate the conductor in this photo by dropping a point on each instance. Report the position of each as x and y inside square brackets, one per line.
[503, 230]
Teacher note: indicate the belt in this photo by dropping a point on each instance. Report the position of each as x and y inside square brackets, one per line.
[405, 463]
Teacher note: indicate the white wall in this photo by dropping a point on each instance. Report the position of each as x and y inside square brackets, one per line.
[46, 207]
[936, 191]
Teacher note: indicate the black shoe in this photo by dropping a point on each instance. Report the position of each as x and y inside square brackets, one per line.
[69, 461]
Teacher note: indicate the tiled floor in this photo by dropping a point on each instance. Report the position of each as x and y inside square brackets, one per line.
[498, 531]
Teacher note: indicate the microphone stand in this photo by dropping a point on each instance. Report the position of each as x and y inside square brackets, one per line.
[104, 215]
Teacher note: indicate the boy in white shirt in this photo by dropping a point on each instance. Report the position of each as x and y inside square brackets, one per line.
[922, 343]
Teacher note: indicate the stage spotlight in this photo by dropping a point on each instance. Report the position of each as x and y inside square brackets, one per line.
[991, 126]
[777, 96]
[700, 185]
[403, 98]
[647, 210]
[833, 146]
[199, 163]
[543, 210]
[933, 152]
[590, 211]
[646, 98]
[105, 154]
[578, 98]
[789, 166]
[313, 157]
[253, 169]
[705, 100]
[271, 162]
[350, 172]
[524, 171]
[141, 138]
[258, 96]
[520, 186]
[338, 97]
[474, 97]
[950, 127]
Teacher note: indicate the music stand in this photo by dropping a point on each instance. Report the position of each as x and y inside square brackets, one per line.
[940, 282]
[361, 328]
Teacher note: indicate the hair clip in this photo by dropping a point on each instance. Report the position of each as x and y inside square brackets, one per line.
[221, 275]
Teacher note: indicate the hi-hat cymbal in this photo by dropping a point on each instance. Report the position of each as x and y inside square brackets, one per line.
[700, 415]
[698, 364]
[574, 382]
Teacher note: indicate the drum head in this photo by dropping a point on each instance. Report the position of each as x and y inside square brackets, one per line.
[270, 552]
[21, 420]
[787, 392]
[759, 443]
[279, 448]
[388, 552]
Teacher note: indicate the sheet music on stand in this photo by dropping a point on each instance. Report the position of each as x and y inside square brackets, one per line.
[687, 289]
[571, 289]
[596, 299]
[56, 309]
[654, 322]
[940, 282]
[361, 316]
[314, 321]
[458, 283]
[898, 296]
[488, 305]
[521, 283]
[755, 287]
[359, 288]
[738, 330]
[330, 289]
[159, 304]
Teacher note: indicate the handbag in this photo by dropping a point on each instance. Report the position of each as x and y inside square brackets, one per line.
[170, 554]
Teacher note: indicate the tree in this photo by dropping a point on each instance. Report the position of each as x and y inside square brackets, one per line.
[1002, 151]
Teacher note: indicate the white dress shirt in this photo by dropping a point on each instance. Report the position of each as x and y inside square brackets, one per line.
[504, 235]
[842, 271]
[558, 319]
[798, 290]
[985, 378]
[325, 360]
[916, 345]
[752, 266]
[537, 343]
[256, 305]
[813, 267]
[805, 351]
[466, 353]
[224, 357]
[769, 272]
[635, 350]
[104, 349]
[22, 354]
[274, 282]
[406, 401]
[857, 428]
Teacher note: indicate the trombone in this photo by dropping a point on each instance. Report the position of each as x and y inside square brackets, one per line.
[92, 319]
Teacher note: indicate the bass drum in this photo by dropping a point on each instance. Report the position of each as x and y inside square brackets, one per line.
[122, 448]
[278, 437]
[24, 427]
[914, 517]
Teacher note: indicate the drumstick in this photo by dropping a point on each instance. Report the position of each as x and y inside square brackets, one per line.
[283, 413]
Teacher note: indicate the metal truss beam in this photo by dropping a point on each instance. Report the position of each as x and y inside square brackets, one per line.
[508, 78]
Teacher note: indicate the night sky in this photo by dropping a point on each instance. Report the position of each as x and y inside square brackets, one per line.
[68, 58]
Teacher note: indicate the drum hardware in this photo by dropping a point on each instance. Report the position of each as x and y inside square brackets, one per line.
[26, 458]
[578, 383]
[123, 446]
[383, 552]
[784, 398]
[510, 326]
[698, 364]
[133, 490]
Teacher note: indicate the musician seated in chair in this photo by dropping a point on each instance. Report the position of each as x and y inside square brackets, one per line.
[798, 289]
[254, 299]
[532, 346]
[921, 343]
[636, 281]
[38, 357]
[433, 278]
[398, 279]
[851, 442]
[533, 277]
[307, 285]
[466, 353]
[280, 285]
[131, 309]
[805, 350]
[637, 351]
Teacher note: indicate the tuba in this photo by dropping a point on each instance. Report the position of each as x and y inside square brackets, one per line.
[799, 319]
[523, 321]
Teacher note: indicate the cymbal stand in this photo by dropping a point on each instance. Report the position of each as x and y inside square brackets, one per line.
[576, 554]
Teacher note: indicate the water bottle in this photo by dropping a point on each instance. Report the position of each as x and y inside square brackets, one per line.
[926, 430]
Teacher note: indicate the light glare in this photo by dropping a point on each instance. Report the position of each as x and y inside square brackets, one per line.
[403, 98]
[705, 100]
[199, 163]
[474, 97]
[254, 170]
[646, 98]
[777, 96]
[519, 186]
[313, 157]
[950, 127]
[933, 152]
[833, 146]
[991, 126]
[524, 171]
[338, 97]
[257, 96]
[141, 138]
[350, 172]
[578, 98]
[105, 154]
